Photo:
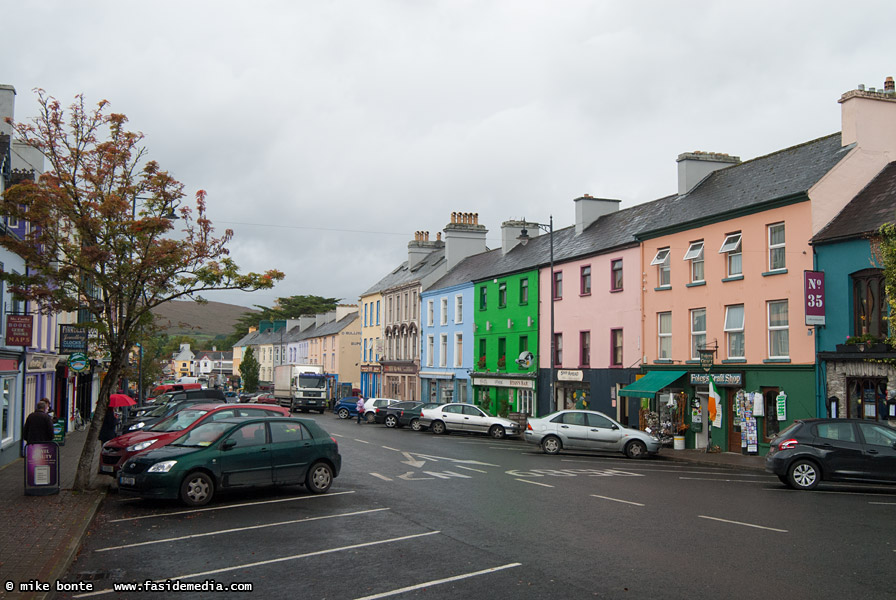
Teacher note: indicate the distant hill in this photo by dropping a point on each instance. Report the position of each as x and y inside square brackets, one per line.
[203, 321]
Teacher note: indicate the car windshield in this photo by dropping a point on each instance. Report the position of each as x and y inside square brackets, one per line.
[205, 434]
[158, 411]
[162, 398]
[178, 421]
[405, 405]
[312, 381]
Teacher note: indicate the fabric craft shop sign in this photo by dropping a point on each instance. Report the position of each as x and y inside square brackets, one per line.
[726, 379]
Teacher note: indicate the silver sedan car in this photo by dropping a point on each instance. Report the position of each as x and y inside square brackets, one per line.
[459, 416]
[588, 430]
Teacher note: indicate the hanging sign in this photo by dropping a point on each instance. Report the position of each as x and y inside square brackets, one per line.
[72, 339]
[18, 330]
[78, 362]
[813, 285]
[781, 402]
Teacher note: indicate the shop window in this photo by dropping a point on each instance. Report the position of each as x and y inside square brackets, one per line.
[770, 397]
[869, 303]
[695, 255]
[866, 398]
[732, 247]
[663, 272]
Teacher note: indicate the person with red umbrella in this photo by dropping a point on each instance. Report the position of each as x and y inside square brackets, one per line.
[111, 421]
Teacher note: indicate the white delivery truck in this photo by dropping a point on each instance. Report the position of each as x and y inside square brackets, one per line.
[301, 387]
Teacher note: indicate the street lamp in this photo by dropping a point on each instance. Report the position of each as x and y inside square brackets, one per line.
[139, 374]
[524, 239]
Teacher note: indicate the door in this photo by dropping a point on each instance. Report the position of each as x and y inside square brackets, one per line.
[249, 461]
[453, 415]
[734, 436]
[844, 455]
[573, 428]
[603, 433]
[475, 420]
[880, 451]
[292, 450]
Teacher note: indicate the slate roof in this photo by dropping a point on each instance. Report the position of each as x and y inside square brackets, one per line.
[749, 185]
[331, 328]
[402, 275]
[872, 207]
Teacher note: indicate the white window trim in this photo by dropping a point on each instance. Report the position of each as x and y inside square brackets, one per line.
[443, 350]
[430, 349]
[768, 315]
[730, 244]
[776, 246]
[458, 345]
[443, 310]
[695, 332]
[429, 313]
[661, 256]
[695, 250]
[661, 335]
[458, 309]
[730, 329]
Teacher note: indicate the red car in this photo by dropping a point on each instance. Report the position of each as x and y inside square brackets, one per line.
[265, 399]
[117, 451]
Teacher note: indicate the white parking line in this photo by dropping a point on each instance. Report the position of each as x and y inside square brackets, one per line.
[271, 561]
[247, 528]
[884, 504]
[616, 500]
[393, 449]
[194, 510]
[411, 588]
[744, 524]
[534, 482]
[362, 441]
[383, 477]
[470, 469]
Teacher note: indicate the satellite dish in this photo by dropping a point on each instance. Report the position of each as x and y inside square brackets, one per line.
[525, 359]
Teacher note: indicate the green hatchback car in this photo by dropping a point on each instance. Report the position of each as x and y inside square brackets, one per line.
[234, 453]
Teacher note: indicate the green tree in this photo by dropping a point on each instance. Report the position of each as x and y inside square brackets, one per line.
[249, 368]
[100, 238]
[884, 252]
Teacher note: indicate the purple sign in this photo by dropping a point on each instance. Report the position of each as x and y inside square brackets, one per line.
[814, 288]
[41, 469]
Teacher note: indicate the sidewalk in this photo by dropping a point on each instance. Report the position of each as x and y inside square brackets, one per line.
[40, 535]
[718, 459]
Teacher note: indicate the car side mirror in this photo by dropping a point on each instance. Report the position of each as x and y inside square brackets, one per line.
[228, 444]
[615, 426]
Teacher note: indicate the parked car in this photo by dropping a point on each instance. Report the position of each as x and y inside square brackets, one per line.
[415, 423]
[231, 397]
[458, 416]
[398, 414]
[264, 399]
[815, 450]
[346, 408]
[223, 455]
[588, 430]
[116, 451]
[163, 411]
[171, 387]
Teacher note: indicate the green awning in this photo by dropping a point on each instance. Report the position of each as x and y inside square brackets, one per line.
[651, 383]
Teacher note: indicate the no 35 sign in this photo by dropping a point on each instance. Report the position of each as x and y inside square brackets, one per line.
[813, 285]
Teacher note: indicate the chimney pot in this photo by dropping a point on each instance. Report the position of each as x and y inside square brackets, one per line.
[889, 85]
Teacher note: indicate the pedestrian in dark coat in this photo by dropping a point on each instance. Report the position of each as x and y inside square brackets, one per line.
[39, 425]
[110, 424]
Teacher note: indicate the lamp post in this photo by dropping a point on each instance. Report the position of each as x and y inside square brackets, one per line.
[524, 239]
[139, 374]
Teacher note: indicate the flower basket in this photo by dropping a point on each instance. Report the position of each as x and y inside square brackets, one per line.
[481, 362]
[502, 362]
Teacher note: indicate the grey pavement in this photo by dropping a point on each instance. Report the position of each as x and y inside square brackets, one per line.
[40, 535]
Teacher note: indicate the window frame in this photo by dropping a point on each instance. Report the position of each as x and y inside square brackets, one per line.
[696, 256]
[735, 331]
[458, 309]
[502, 294]
[616, 347]
[663, 337]
[616, 275]
[774, 248]
[585, 280]
[733, 247]
[585, 348]
[696, 334]
[558, 350]
[777, 328]
[443, 310]
[557, 285]
[430, 313]
[662, 261]
[483, 297]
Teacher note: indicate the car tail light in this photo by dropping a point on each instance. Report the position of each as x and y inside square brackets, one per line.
[788, 444]
[529, 427]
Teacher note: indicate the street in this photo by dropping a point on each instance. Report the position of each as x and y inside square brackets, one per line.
[456, 516]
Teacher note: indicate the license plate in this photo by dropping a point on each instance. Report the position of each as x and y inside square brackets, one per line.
[127, 481]
[107, 468]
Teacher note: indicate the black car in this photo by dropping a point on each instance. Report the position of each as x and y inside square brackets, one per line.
[398, 414]
[814, 450]
[163, 411]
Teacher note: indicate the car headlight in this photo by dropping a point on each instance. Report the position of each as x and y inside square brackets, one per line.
[141, 446]
[162, 467]
[136, 426]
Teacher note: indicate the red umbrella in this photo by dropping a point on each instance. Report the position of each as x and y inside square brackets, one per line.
[116, 400]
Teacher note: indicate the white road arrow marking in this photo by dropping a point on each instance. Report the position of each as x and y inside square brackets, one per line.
[411, 462]
[454, 460]
[409, 476]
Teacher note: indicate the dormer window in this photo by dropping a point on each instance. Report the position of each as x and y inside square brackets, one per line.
[695, 255]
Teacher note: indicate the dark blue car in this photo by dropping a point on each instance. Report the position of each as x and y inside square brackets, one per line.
[346, 407]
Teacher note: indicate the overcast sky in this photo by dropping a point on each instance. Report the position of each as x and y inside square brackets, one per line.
[327, 132]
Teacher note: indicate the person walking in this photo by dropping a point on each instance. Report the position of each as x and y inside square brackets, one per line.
[109, 428]
[39, 425]
[360, 408]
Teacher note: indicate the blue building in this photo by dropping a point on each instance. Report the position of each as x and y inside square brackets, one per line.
[853, 379]
[446, 334]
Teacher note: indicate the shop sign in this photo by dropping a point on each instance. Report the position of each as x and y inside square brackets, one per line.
[72, 339]
[813, 285]
[78, 362]
[18, 330]
[781, 402]
[371, 368]
[41, 469]
[400, 369]
[437, 374]
[569, 375]
[526, 384]
[41, 362]
[727, 379]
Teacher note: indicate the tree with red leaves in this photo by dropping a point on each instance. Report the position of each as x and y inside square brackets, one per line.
[100, 238]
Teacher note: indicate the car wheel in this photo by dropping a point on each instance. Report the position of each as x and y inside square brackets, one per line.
[416, 426]
[319, 478]
[391, 421]
[197, 489]
[636, 449]
[497, 432]
[551, 445]
[370, 417]
[438, 427]
[343, 413]
[803, 475]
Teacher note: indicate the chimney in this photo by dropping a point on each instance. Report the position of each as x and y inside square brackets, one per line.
[306, 321]
[464, 237]
[510, 231]
[343, 310]
[590, 209]
[868, 118]
[421, 247]
[693, 167]
[7, 107]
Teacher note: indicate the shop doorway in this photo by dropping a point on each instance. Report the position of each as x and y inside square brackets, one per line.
[733, 427]
[866, 397]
